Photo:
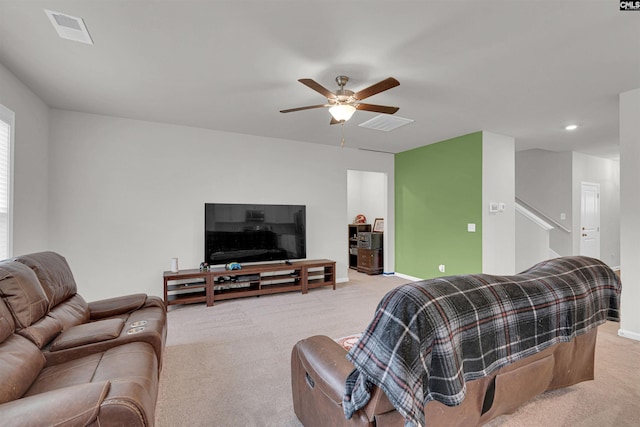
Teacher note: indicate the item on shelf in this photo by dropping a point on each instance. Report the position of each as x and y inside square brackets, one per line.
[360, 219]
[245, 278]
[233, 266]
[204, 266]
[174, 265]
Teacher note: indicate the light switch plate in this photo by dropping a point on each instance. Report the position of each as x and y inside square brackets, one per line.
[471, 228]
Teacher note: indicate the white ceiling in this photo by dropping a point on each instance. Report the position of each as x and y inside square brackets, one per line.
[523, 68]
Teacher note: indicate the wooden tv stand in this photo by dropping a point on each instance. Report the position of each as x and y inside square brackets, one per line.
[217, 284]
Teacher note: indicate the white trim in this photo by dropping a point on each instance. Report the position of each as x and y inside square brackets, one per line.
[342, 280]
[541, 214]
[628, 334]
[533, 217]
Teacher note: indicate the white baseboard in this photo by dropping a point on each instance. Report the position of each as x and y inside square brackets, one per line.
[406, 276]
[629, 334]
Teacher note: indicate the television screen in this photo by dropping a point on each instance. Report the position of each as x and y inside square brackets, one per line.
[253, 233]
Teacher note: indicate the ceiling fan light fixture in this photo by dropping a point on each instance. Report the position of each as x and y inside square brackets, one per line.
[342, 112]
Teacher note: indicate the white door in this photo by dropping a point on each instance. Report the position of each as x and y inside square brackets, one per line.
[590, 220]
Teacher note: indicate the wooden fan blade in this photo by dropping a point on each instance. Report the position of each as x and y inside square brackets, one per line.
[385, 84]
[318, 88]
[377, 108]
[304, 108]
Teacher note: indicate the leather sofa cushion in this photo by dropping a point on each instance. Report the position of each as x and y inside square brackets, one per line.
[21, 291]
[88, 333]
[70, 406]
[42, 332]
[71, 312]
[7, 326]
[20, 363]
[134, 362]
[54, 274]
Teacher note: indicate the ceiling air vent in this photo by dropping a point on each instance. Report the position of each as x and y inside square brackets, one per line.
[69, 27]
[385, 122]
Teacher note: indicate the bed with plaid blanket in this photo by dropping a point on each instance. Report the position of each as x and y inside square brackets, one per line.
[429, 337]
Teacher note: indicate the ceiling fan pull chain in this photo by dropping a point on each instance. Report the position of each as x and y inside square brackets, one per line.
[342, 130]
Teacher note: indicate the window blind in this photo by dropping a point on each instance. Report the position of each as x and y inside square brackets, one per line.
[6, 126]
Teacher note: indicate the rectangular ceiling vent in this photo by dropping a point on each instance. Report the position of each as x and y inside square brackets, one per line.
[385, 122]
[69, 27]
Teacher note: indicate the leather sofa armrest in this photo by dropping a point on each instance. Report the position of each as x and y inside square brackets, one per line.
[116, 306]
[325, 364]
[327, 367]
[68, 406]
[88, 333]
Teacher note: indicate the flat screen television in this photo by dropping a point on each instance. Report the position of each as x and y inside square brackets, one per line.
[253, 233]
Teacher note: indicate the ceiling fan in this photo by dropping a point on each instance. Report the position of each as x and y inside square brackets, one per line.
[343, 102]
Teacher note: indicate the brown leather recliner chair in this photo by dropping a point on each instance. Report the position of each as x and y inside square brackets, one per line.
[319, 370]
[484, 343]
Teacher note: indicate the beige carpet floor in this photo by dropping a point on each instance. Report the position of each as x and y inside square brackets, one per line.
[229, 365]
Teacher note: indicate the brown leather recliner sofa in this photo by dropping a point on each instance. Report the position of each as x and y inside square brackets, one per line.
[497, 341]
[64, 361]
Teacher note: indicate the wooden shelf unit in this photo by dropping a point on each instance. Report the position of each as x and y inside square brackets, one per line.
[187, 287]
[354, 229]
[217, 284]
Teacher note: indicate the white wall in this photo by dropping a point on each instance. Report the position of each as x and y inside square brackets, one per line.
[498, 186]
[605, 172]
[126, 195]
[544, 181]
[630, 213]
[532, 243]
[30, 193]
[366, 192]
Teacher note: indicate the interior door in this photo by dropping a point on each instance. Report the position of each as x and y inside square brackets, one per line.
[590, 220]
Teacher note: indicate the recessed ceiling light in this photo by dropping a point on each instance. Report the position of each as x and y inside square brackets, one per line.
[571, 127]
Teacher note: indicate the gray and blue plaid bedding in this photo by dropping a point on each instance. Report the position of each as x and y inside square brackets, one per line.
[427, 338]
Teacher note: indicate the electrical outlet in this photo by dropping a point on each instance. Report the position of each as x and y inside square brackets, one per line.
[441, 268]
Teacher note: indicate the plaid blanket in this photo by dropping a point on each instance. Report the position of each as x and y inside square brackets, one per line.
[427, 338]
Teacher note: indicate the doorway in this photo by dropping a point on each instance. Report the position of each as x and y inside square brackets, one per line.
[367, 195]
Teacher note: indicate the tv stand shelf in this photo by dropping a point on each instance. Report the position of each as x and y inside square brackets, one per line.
[218, 284]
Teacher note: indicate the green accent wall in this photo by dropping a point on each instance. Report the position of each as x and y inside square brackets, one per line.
[438, 191]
